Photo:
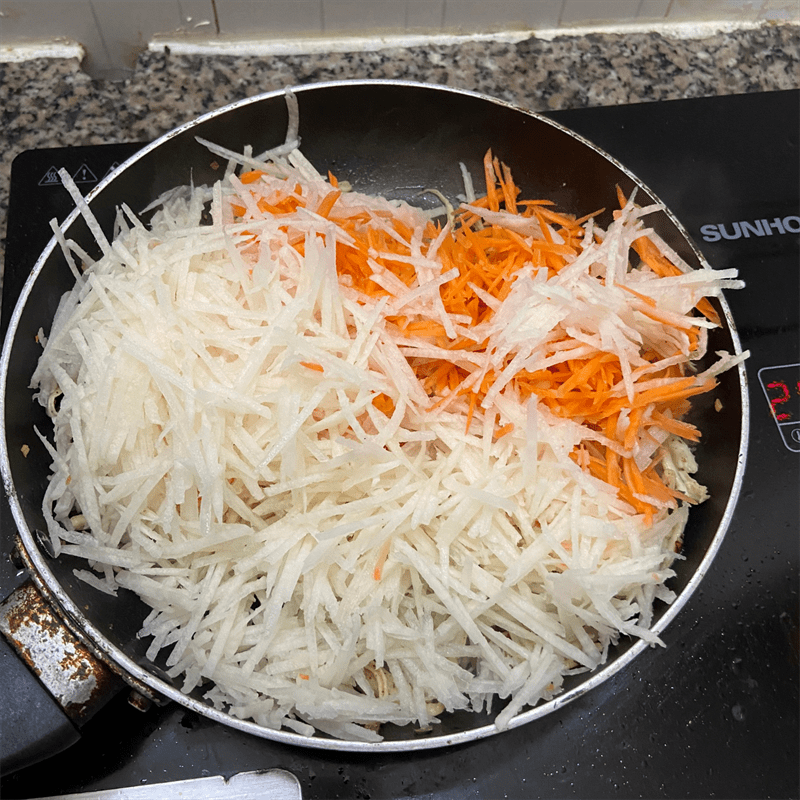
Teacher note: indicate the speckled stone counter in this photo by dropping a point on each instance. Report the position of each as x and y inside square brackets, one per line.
[51, 103]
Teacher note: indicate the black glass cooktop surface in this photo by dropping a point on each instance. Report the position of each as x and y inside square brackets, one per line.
[715, 713]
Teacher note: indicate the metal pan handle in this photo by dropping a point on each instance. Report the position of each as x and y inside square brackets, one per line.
[53, 683]
[34, 725]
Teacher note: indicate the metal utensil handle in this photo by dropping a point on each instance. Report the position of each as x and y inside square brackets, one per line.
[274, 784]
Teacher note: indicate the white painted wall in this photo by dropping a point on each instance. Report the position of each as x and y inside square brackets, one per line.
[112, 32]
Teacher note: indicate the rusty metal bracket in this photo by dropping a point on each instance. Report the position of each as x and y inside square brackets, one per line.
[142, 695]
[80, 682]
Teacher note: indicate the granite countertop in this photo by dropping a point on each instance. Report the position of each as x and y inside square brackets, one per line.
[53, 103]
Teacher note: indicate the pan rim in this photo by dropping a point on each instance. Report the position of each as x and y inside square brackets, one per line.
[48, 581]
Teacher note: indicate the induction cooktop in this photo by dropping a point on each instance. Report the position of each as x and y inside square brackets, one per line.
[715, 713]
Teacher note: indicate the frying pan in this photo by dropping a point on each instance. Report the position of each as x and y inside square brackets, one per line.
[391, 138]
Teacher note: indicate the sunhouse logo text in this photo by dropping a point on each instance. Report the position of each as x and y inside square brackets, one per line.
[745, 229]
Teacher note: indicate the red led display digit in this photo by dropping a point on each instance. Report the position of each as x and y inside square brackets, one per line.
[776, 401]
[781, 385]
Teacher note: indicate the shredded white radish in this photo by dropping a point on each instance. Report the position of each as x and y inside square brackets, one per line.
[316, 559]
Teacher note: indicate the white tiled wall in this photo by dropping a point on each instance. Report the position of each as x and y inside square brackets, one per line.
[113, 31]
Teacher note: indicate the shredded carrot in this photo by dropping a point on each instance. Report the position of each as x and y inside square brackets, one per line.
[661, 265]
[328, 202]
[384, 403]
[504, 430]
[487, 258]
[676, 426]
[251, 177]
